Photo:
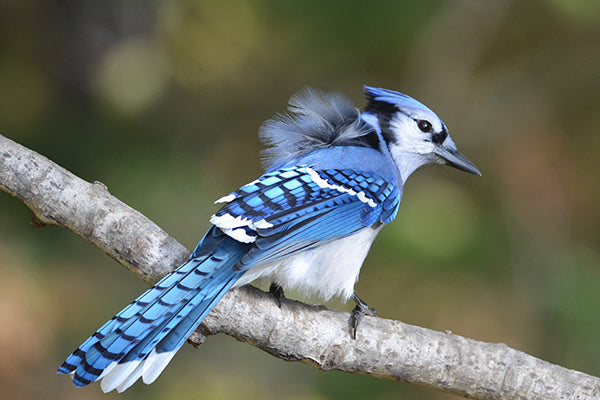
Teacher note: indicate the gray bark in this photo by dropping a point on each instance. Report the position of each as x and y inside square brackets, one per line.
[296, 331]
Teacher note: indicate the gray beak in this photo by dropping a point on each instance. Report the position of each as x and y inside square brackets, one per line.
[457, 160]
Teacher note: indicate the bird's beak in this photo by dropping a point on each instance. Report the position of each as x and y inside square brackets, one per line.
[457, 160]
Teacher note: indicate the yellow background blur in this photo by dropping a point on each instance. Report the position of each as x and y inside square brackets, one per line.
[161, 101]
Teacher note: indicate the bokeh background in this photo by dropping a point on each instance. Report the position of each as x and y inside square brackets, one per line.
[161, 101]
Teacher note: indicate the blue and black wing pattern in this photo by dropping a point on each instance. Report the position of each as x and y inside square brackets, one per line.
[295, 208]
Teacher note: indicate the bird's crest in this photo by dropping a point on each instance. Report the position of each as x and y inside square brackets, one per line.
[314, 120]
[381, 98]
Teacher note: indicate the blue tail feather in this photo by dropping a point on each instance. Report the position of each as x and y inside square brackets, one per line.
[189, 322]
[122, 333]
[164, 316]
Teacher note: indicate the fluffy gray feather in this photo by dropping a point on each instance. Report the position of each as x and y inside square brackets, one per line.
[314, 120]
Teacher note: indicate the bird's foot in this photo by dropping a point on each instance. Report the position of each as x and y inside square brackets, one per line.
[358, 313]
[277, 291]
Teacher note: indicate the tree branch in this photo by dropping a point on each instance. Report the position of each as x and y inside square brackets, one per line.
[296, 331]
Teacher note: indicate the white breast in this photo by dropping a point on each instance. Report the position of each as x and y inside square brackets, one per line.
[326, 271]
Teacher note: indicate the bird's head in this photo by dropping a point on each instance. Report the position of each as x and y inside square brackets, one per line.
[414, 135]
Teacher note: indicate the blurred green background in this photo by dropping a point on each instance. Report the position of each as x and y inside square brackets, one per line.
[161, 101]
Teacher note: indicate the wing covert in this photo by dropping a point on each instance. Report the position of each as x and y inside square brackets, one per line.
[296, 208]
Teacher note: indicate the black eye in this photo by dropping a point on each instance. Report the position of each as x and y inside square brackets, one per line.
[424, 125]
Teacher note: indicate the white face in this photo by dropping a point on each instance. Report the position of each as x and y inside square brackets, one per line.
[413, 144]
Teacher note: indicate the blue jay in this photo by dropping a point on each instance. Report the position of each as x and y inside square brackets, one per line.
[334, 177]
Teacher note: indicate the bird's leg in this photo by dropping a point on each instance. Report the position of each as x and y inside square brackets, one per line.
[358, 313]
[277, 291]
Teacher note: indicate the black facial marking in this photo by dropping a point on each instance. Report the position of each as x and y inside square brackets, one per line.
[439, 137]
[385, 112]
[380, 107]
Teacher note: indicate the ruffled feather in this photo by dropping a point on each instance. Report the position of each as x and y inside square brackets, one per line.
[314, 120]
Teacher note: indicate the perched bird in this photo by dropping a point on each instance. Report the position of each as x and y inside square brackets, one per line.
[334, 177]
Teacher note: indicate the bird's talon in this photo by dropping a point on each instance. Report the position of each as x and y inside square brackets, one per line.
[358, 313]
[277, 291]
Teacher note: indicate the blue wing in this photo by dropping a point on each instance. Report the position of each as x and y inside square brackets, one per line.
[297, 208]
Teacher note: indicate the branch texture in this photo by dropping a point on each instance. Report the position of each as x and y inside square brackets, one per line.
[296, 331]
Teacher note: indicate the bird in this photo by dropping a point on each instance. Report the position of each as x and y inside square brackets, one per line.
[334, 177]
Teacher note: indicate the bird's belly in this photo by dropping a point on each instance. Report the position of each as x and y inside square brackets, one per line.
[326, 271]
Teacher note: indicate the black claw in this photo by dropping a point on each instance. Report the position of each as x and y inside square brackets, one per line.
[277, 291]
[358, 313]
